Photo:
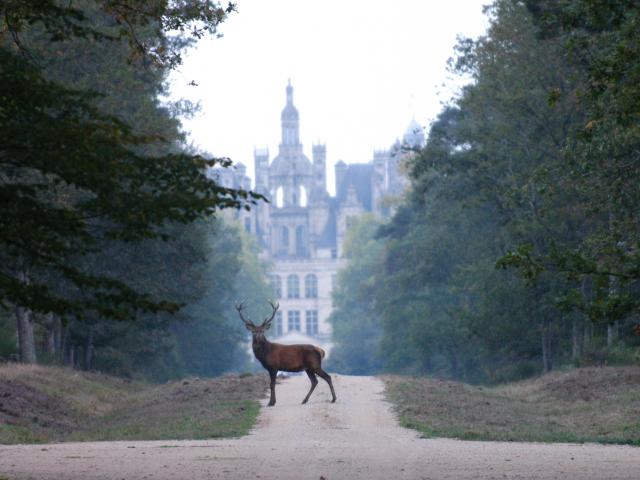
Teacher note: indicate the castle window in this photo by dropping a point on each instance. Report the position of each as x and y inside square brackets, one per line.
[303, 196]
[311, 286]
[247, 224]
[280, 197]
[311, 321]
[284, 240]
[300, 250]
[279, 323]
[293, 320]
[293, 286]
[276, 285]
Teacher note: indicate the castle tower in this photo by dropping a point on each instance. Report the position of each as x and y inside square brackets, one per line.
[414, 135]
[261, 163]
[319, 153]
[290, 121]
[341, 170]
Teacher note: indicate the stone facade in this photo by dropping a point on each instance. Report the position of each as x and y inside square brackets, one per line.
[302, 230]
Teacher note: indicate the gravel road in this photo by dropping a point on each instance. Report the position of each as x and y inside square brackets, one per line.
[355, 438]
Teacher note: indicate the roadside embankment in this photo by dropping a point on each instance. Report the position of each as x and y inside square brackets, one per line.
[596, 404]
[51, 404]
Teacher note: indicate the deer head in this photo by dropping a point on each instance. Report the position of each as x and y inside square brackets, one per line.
[266, 323]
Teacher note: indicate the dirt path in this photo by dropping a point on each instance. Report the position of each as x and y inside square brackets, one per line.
[355, 438]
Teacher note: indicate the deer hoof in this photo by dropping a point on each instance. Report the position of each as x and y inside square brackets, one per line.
[334, 400]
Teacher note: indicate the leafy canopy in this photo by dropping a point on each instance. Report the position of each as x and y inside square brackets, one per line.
[73, 176]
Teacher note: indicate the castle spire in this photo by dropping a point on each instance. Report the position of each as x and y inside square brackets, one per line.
[289, 93]
[290, 120]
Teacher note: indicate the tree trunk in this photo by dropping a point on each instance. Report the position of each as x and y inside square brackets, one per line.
[547, 354]
[26, 342]
[88, 350]
[50, 336]
[612, 333]
[588, 332]
[69, 354]
[58, 338]
[53, 337]
[576, 339]
[64, 345]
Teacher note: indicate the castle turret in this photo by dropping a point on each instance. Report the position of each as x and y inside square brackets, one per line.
[261, 163]
[320, 170]
[414, 135]
[341, 171]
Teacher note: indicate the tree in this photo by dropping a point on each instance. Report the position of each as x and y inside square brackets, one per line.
[75, 174]
[491, 178]
[602, 165]
[355, 319]
[212, 340]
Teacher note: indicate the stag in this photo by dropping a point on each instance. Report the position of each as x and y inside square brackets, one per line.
[276, 357]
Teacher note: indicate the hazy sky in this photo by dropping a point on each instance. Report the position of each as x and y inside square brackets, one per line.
[360, 70]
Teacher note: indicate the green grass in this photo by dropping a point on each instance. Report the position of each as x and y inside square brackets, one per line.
[227, 419]
[44, 404]
[583, 405]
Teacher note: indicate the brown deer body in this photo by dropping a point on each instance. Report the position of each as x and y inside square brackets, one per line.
[276, 357]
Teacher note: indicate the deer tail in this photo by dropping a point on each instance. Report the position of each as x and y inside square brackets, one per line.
[321, 352]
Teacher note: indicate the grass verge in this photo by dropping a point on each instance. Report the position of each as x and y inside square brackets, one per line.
[50, 404]
[583, 405]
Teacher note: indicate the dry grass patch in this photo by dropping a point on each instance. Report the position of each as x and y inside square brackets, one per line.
[582, 405]
[44, 404]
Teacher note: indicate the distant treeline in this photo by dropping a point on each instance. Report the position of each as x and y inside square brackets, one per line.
[517, 248]
[110, 255]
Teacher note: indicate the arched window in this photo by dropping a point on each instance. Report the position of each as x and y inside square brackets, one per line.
[303, 196]
[293, 286]
[280, 197]
[276, 286]
[311, 286]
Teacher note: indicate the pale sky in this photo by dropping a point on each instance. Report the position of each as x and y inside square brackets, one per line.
[360, 69]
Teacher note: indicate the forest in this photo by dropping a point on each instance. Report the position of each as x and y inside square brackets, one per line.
[517, 248]
[115, 254]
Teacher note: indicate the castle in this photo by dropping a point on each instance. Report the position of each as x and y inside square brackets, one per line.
[302, 230]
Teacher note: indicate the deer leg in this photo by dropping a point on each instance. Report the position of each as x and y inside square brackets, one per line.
[327, 378]
[314, 382]
[272, 399]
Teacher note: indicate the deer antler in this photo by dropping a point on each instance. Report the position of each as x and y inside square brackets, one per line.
[275, 308]
[239, 307]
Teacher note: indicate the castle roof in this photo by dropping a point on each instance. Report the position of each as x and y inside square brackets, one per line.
[359, 176]
[287, 165]
[329, 234]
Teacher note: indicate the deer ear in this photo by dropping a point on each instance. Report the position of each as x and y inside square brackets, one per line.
[248, 327]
